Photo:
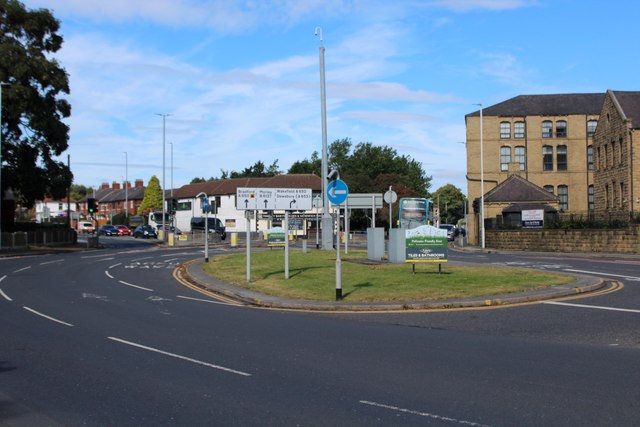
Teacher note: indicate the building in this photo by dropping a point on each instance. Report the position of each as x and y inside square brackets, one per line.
[48, 209]
[545, 139]
[616, 193]
[115, 199]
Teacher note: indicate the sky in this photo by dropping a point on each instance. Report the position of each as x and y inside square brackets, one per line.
[218, 85]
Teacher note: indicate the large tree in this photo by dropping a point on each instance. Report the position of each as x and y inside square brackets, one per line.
[451, 202]
[33, 132]
[152, 199]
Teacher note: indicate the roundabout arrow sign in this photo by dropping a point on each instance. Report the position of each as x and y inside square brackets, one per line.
[337, 192]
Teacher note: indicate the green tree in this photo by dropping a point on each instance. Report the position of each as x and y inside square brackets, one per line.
[79, 191]
[152, 199]
[33, 131]
[451, 202]
[258, 170]
[313, 165]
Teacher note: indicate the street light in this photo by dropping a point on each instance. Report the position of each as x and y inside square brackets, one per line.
[327, 223]
[173, 216]
[164, 135]
[1, 192]
[126, 187]
[481, 181]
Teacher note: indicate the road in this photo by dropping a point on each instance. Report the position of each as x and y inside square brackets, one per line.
[109, 337]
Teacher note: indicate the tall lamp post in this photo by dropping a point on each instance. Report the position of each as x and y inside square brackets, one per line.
[164, 137]
[126, 187]
[327, 222]
[482, 241]
[173, 214]
[1, 192]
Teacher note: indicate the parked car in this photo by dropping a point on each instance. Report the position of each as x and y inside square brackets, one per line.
[450, 230]
[86, 227]
[214, 226]
[145, 232]
[108, 230]
[123, 230]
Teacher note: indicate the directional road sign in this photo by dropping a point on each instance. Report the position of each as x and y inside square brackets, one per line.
[267, 199]
[337, 192]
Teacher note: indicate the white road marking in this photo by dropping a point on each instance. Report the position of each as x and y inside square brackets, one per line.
[22, 269]
[52, 262]
[177, 356]
[115, 265]
[47, 317]
[96, 256]
[108, 275]
[5, 296]
[139, 259]
[94, 296]
[206, 300]
[598, 307]
[135, 286]
[602, 274]
[422, 414]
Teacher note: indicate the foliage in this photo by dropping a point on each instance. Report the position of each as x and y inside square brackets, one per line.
[32, 111]
[152, 197]
[79, 191]
[258, 170]
[451, 202]
[581, 223]
[308, 166]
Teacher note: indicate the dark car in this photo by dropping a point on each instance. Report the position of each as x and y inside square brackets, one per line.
[214, 226]
[108, 230]
[123, 230]
[145, 232]
[450, 230]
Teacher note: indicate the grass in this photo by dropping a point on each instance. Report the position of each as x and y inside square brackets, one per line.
[312, 276]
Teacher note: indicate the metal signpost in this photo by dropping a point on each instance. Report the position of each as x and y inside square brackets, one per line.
[205, 210]
[286, 199]
[337, 193]
[390, 197]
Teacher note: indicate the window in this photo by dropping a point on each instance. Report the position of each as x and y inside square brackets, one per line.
[563, 197]
[606, 196]
[561, 158]
[547, 129]
[590, 157]
[518, 130]
[614, 195]
[547, 158]
[590, 198]
[59, 206]
[548, 189]
[561, 129]
[505, 158]
[591, 127]
[599, 159]
[505, 130]
[613, 154]
[520, 157]
[623, 199]
[604, 158]
[620, 151]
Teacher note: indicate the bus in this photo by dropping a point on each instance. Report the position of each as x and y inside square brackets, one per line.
[414, 212]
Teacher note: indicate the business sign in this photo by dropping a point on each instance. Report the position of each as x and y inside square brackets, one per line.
[276, 236]
[533, 218]
[288, 199]
[426, 244]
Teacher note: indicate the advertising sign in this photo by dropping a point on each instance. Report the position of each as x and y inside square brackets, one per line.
[426, 244]
[276, 236]
[533, 218]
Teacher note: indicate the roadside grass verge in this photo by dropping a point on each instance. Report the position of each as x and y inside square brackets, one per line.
[312, 276]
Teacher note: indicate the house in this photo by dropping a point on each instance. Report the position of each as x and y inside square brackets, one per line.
[114, 199]
[49, 208]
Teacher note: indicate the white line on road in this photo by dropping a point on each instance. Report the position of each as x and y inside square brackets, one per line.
[108, 275]
[602, 274]
[96, 256]
[115, 265]
[22, 269]
[52, 262]
[627, 310]
[47, 317]
[207, 300]
[422, 414]
[177, 356]
[135, 286]
[5, 296]
[140, 259]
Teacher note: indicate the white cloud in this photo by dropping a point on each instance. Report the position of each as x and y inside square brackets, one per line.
[466, 5]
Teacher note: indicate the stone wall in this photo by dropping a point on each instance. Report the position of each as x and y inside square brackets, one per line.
[616, 241]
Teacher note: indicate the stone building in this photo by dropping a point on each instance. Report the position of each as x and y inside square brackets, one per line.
[545, 139]
[617, 157]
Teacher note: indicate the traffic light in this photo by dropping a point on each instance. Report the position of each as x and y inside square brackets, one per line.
[92, 207]
[174, 205]
[476, 205]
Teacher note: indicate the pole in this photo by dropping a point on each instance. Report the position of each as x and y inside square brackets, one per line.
[338, 260]
[69, 194]
[390, 216]
[248, 217]
[164, 182]
[126, 188]
[481, 180]
[173, 214]
[206, 232]
[286, 244]
[1, 191]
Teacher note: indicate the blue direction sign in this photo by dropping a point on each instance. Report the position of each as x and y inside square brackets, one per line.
[337, 192]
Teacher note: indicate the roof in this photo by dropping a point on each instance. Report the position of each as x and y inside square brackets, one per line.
[229, 186]
[133, 193]
[546, 105]
[517, 189]
[630, 104]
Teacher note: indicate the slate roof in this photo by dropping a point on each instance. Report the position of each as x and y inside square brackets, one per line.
[545, 105]
[516, 189]
[630, 104]
[220, 187]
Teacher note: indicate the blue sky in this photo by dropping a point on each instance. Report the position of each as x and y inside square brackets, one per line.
[240, 79]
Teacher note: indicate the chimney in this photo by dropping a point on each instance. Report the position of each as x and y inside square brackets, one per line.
[104, 186]
[127, 184]
[115, 185]
[139, 183]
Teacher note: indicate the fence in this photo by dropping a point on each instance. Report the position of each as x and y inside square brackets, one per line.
[25, 239]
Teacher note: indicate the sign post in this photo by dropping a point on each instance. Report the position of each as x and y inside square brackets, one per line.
[337, 193]
[390, 197]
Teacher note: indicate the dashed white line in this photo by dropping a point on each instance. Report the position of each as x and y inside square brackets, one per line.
[115, 265]
[422, 414]
[140, 259]
[602, 274]
[22, 269]
[597, 307]
[47, 317]
[177, 356]
[135, 286]
[52, 262]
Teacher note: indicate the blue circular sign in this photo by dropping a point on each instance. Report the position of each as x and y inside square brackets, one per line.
[337, 192]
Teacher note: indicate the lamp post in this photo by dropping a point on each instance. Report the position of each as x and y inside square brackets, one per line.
[164, 135]
[327, 222]
[126, 187]
[482, 241]
[1, 192]
[173, 215]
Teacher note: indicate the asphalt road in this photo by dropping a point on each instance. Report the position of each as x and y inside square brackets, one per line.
[109, 337]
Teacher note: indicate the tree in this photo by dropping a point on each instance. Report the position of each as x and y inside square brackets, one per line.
[451, 202]
[32, 111]
[79, 191]
[313, 165]
[152, 199]
[258, 170]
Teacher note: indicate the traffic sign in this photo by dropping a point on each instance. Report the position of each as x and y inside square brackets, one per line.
[337, 192]
[268, 199]
[390, 196]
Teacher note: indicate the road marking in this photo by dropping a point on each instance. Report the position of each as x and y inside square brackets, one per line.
[22, 269]
[135, 286]
[177, 356]
[115, 265]
[52, 262]
[108, 275]
[206, 300]
[96, 256]
[422, 414]
[47, 317]
[602, 274]
[598, 307]
[139, 259]
[5, 296]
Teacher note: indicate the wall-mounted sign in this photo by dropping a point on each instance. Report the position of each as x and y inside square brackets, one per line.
[533, 218]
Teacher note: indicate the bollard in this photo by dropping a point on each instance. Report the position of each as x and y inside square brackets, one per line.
[234, 239]
[304, 244]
